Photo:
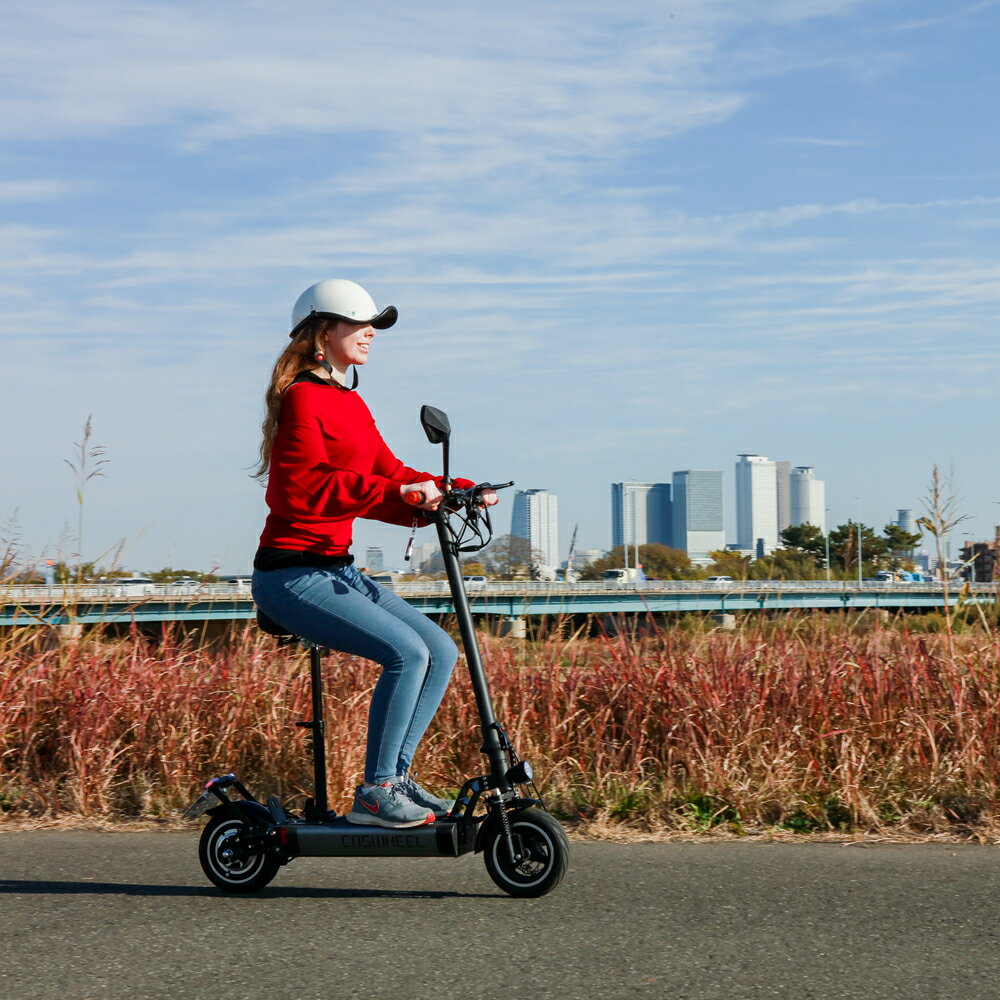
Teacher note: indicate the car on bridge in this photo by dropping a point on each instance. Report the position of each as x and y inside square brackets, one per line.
[133, 586]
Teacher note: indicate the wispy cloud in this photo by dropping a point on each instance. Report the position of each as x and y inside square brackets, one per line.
[959, 14]
[824, 142]
[34, 190]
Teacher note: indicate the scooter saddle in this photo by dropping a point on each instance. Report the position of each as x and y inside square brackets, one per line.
[270, 626]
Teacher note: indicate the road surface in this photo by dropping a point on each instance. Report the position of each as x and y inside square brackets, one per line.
[104, 916]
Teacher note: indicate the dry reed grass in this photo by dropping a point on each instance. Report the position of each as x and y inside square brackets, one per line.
[806, 725]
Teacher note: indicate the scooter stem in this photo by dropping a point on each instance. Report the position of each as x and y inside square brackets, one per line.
[495, 753]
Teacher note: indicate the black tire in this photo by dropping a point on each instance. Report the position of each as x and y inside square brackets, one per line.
[543, 842]
[231, 875]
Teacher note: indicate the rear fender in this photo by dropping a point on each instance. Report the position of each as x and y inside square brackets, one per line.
[253, 812]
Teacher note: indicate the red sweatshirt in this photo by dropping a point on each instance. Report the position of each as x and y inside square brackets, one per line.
[330, 465]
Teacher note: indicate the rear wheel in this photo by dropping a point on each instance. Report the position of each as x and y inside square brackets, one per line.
[542, 854]
[227, 868]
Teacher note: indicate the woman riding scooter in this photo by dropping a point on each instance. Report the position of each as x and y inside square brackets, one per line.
[326, 464]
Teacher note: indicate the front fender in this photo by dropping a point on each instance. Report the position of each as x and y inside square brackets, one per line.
[492, 821]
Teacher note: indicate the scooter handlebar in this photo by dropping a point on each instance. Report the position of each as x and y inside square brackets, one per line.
[416, 497]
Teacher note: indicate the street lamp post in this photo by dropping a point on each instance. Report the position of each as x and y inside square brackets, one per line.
[860, 555]
[827, 526]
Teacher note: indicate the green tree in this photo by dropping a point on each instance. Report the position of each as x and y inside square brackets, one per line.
[82, 572]
[844, 548]
[806, 538]
[787, 564]
[658, 561]
[900, 545]
[725, 562]
[168, 575]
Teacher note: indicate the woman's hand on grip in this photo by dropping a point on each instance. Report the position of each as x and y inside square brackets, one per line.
[423, 496]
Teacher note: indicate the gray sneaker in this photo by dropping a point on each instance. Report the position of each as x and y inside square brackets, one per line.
[440, 807]
[387, 805]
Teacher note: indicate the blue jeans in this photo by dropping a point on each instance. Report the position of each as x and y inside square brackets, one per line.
[342, 609]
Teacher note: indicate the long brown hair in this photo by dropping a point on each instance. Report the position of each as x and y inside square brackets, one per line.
[298, 357]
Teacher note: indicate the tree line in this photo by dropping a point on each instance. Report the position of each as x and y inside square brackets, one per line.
[801, 556]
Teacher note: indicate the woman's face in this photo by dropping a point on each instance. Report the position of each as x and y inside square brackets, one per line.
[347, 343]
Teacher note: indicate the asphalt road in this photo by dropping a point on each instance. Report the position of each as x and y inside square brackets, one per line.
[129, 915]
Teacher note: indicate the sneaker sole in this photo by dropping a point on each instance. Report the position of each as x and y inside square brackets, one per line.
[365, 819]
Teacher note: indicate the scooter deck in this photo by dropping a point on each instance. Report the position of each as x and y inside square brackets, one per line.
[336, 838]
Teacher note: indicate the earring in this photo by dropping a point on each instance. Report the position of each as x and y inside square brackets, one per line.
[319, 356]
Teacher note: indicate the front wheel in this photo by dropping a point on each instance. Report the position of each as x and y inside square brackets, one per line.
[541, 848]
[224, 868]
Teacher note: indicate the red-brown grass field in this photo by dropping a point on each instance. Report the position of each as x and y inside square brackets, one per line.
[803, 724]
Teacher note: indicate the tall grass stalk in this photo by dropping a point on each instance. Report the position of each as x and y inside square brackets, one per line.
[804, 724]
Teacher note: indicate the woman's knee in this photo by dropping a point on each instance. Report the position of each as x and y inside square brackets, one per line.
[411, 653]
[443, 653]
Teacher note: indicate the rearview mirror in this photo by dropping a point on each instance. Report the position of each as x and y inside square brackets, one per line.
[435, 424]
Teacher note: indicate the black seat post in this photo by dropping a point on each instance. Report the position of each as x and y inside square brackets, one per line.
[318, 729]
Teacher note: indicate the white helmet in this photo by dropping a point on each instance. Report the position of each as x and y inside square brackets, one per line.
[337, 298]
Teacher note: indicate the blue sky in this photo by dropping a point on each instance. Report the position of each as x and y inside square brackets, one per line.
[623, 240]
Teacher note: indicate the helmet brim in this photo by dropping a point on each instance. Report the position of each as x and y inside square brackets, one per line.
[386, 318]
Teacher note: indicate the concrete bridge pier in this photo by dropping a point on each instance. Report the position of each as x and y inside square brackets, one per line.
[724, 621]
[512, 627]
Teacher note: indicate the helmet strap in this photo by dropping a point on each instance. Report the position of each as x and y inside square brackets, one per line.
[323, 363]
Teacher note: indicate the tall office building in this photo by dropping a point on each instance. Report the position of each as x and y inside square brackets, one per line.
[640, 514]
[374, 559]
[756, 504]
[783, 485]
[423, 552]
[906, 521]
[698, 524]
[536, 518]
[808, 498]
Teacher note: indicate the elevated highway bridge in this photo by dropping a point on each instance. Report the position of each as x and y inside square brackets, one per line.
[94, 604]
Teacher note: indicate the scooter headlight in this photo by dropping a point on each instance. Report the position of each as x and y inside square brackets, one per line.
[522, 773]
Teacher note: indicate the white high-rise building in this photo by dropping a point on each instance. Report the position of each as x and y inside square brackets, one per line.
[756, 504]
[808, 498]
[784, 487]
[906, 520]
[640, 514]
[375, 559]
[536, 518]
[422, 552]
[698, 524]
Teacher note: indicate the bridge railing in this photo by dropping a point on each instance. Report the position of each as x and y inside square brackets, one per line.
[91, 593]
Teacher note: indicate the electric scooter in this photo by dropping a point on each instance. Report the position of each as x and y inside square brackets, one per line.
[499, 814]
